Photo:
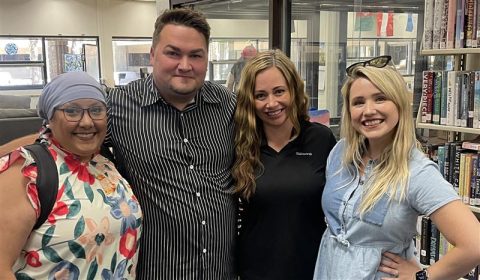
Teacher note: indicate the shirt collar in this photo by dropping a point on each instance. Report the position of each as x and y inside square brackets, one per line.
[303, 126]
[206, 93]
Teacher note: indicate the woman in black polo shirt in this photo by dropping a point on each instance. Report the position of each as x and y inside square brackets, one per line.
[279, 172]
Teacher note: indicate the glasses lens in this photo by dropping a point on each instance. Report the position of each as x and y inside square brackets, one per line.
[73, 113]
[380, 61]
[97, 112]
[350, 68]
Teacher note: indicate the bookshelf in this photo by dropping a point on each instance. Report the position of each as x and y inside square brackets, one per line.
[461, 55]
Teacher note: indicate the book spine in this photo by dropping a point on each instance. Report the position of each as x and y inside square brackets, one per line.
[425, 92]
[473, 180]
[461, 107]
[478, 23]
[446, 168]
[471, 146]
[456, 168]
[476, 6]
[452, 157]
[443, 26]
[430, 85]
[443, 246]
[428, 25]
[477, 186]
[434, 238]
[437, 96]
[441, 160]
[467, 178]
[470, 87]
[451, 76]
[443, 98]
[459, 25]
[452, 17]
[464, 104]
[425, 241]
[437, 23]
[461, 176]
[469, 9]
[476, 89]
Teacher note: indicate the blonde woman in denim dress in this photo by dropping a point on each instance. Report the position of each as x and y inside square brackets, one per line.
[379, 182]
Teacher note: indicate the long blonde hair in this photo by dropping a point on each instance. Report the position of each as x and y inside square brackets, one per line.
[391, 174]
[249, 129]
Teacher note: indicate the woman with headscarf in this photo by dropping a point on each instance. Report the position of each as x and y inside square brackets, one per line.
[95, 224]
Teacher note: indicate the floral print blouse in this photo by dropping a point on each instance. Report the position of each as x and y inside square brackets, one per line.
[94, 227]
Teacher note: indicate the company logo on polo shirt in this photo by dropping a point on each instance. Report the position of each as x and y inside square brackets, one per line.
[303, 154]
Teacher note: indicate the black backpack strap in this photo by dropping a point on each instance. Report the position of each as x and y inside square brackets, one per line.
[47, 180]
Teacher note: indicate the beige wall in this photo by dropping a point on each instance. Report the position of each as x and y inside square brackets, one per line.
[103, 18]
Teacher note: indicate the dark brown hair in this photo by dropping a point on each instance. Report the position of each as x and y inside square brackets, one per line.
[181, 16]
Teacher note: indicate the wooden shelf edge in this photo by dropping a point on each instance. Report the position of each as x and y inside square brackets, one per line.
[450, 51]
[448, 128]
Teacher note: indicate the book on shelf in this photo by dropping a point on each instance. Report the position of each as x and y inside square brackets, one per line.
[438, 8]
[469, 15]
[437, 96]
[476, 89]
[469, 80]
[438, 246]
[463, 99]
[425, 241]
[471, 145]
[451, 24]
[428, 24]
[477, 17]
[451, 98]
[451, 18]
[443, 98]
[443, 25]
[427, 94]
[441, 159]
[434, 245]
[459, 164]
[473, 180]
[460, 24]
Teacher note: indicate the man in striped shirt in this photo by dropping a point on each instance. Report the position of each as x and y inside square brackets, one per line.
[172, 135]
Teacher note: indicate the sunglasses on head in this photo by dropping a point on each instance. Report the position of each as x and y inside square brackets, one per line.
[379, 62]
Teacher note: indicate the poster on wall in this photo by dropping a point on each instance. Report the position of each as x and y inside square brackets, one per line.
[72, 62]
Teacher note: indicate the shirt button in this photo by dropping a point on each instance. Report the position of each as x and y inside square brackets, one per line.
[185, 140]
[198, 194]
[181, 114]
[191, 167]
[204, 251]
[203, 222]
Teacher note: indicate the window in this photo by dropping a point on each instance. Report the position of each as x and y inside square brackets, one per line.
[223, 53]
[131, 59]
[68, 54]
[29, 62]
[21, 62]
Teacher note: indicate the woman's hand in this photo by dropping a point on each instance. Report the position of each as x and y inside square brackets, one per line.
[398, 267]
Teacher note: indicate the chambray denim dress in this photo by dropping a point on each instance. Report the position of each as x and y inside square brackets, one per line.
[351, 248]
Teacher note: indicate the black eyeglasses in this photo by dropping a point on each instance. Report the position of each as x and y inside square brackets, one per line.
[75, 114]
[379, 62]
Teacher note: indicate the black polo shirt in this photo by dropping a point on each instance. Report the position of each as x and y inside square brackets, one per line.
[283, 222]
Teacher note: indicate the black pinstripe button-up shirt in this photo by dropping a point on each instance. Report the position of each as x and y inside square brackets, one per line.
[178, 163]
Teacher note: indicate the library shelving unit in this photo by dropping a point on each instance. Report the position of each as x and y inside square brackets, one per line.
[464, 59]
